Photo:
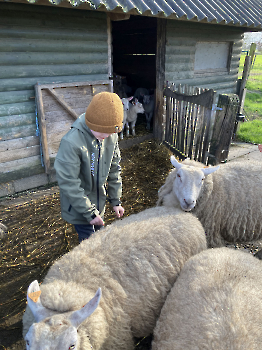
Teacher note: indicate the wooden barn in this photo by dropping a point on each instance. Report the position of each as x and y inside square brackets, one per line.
[55, 55]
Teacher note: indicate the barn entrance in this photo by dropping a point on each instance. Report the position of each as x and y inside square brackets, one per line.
[134, 43]
[134, 52]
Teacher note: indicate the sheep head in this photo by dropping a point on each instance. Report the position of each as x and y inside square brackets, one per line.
[52, 330]
[188, 183]
[125, 102]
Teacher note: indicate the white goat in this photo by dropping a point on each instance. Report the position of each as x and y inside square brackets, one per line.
[149, 106]
[131, 116]
[215, 304]
[126, 106]
[135, 261]
[228, 202]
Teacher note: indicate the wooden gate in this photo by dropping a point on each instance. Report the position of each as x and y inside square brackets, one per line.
[193, 129]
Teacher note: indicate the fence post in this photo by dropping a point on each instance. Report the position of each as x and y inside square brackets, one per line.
[223, 128]
[160, 79]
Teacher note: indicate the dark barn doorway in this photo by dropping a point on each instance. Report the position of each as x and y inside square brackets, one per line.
[134, 52]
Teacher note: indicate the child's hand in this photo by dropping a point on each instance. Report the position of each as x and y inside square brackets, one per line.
[97, 221]
[119, 210]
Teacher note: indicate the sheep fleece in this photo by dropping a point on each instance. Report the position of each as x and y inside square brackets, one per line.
[215, 304]
[135, 261]
[230, 202]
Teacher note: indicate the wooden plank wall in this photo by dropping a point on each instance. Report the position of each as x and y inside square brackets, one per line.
[40, 44]
[180, 55]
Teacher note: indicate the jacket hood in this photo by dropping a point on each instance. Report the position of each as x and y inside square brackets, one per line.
[80, 124]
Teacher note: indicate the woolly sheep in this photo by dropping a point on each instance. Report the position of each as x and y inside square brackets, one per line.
[149, 106]
[228, 202]
[215, 304]
[135, 261]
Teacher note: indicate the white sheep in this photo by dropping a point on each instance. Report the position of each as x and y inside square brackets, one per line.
[126, 106]
[215, 304]
[131, 116]
[135, 261]
[149, 106]
[3, 231]
[228, 202]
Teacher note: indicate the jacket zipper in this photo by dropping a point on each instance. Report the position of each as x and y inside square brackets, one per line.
[97, 184]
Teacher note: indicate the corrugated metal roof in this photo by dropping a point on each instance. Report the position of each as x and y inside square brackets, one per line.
[245, 13]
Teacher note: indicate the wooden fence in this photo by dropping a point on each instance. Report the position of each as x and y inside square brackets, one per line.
[197, 128]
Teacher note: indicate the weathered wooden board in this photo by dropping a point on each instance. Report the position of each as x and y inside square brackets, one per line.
[58, 105]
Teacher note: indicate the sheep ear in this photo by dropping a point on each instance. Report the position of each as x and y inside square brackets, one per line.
[210, 170]
[130, 98]
[34, 302]
[175, 163]
[79, 316]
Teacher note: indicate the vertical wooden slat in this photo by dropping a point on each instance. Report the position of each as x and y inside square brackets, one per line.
[41, 119]
[190, 137]
[174, 117]
[223, 128]
[168, 119]
[160, 77]
[206, 136]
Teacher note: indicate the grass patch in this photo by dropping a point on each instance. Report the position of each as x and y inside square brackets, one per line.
[250, 131]
[256, 67]
[254, 82]
[253, 100]
[253, 106]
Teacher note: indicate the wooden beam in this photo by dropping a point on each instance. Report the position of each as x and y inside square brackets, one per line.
[160, 78]
[60, 100]
[41, 120]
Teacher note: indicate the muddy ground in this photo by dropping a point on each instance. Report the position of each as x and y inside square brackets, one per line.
[37, 235]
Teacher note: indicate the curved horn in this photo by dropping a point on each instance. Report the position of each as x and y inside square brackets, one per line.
[175, 163]
[210, 170]
[79, 316]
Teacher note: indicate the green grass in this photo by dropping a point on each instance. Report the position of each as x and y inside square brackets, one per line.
[250, 131]
[252, 107]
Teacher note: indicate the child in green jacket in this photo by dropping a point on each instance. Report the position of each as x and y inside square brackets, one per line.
[87, 165]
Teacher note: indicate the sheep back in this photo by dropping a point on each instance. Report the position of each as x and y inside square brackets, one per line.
[232, 211]
[135, 261]
[215, 304]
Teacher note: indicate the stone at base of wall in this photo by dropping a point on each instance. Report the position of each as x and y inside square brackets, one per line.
[20, 185]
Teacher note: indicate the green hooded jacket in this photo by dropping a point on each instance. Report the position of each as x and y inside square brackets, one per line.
[87, 172]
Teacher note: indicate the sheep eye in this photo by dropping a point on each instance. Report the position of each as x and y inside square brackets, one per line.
[72, 347]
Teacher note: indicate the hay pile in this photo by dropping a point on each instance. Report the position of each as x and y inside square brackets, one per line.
[38, 235]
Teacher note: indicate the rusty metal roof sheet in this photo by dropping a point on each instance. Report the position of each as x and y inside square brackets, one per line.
[245, 13]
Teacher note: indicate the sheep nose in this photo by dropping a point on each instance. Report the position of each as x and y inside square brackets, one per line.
[189, 202]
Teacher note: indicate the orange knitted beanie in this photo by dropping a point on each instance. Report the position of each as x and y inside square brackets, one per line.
[105, 113]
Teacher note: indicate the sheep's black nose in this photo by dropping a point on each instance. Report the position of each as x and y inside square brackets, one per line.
[189, 203]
